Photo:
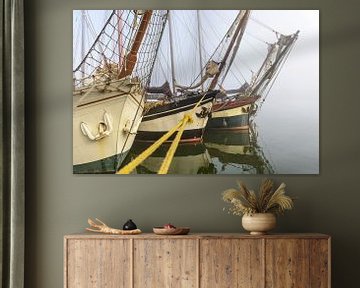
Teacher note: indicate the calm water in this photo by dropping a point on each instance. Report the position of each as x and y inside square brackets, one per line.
[220, 153]
[245, 152]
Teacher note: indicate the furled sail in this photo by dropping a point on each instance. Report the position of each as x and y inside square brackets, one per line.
[277, 54]
[211, 70]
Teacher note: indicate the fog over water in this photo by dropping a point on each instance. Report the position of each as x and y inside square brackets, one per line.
[288, 123]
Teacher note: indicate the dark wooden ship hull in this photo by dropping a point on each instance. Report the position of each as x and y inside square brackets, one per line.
[160, 119]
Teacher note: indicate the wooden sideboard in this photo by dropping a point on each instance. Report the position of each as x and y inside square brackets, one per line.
[197, 260]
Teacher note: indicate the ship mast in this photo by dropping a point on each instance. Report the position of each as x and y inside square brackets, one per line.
[120, 40]
[200, 47]
[83, 30]
[171, 52]
[131, 57]
[243, 17]
[236, 48]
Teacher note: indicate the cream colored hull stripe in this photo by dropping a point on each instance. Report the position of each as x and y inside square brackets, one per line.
[167, 122]
[231, 112]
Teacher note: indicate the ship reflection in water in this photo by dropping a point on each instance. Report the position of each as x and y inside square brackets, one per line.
[222, 152]
[188, 159]
[236, 152]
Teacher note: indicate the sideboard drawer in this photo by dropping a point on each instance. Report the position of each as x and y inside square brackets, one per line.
[165, 263]
[98, 263]
[231, 263]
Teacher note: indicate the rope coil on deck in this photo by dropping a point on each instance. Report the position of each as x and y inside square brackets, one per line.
[180, 127]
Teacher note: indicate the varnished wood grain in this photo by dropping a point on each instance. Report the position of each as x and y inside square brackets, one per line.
[88, 235]
[231, 263]
[204, 260]
[165, 263]
[319, 263]
[287, 263]
[98, 263]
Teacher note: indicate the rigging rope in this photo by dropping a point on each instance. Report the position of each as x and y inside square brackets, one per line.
[212, 68]
[256, 38]
[171, 152]
[90, 24]
[102, 53]
[264, 25]
[147, 153]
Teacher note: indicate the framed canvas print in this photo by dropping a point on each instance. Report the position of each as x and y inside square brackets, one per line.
[195, 91]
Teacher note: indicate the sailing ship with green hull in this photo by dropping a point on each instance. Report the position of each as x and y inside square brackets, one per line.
[234, 108]
[109, 89]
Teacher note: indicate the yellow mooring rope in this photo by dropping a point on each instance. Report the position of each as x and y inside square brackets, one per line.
[170, 154]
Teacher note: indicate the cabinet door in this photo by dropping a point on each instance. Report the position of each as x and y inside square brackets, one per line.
[165, 263]
[98, 263]
[320, 263]
[231, 263]
[287, 263]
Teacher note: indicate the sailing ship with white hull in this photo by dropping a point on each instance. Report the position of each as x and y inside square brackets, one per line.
[181, 99]
[109, 89]
[234, 108]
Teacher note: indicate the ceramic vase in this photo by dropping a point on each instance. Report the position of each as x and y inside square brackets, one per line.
[259, 223]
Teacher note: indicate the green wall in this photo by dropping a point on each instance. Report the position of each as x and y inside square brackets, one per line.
[58, 203]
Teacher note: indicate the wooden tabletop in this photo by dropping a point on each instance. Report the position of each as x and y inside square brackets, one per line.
[89, 235]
